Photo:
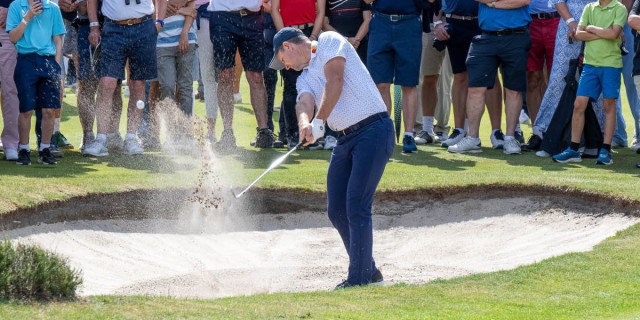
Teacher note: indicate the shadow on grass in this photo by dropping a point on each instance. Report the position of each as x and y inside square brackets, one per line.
[74, 164]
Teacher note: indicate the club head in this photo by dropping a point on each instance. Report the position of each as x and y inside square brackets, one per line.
[233, 192]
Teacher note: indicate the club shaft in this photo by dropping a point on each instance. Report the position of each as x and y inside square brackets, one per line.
[275, 164]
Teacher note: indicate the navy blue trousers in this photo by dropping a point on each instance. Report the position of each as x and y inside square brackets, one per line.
[356, 166]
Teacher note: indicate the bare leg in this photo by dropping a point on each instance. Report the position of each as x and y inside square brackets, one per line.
[475, 108]
[577, 121]
[258, 94]
[493, 98]
[225, 97]
[459, 90]
[410, 107]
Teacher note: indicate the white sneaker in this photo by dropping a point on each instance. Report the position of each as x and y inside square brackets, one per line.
[96, 148]
[466, 145]
[126, 91]
[497, 139]
[114, 141]
[1, 146]
[237, 97]
[87, 138]
[635, 144]
[424, 137]
[453, 139]
[11, 154]
[132, 146]
[543, 154]
[511, 147]
[330, 142]
[524, 118]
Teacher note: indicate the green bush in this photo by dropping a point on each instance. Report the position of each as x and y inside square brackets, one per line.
[30, 273]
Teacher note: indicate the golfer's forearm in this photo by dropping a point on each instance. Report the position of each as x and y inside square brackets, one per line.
[332, 92]
[304, 109]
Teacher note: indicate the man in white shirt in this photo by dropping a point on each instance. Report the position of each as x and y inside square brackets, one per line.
[237, 25]
[129, 33]
[334, 78]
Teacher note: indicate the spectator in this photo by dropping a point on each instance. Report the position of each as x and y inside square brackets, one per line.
[634, 23]
[600, 26]
[238, 25]
[37, 35]
[207, 68]
[175, 50]
[504, 43]
[456, 33]
[351, 19]
[269, 75]
[308, 16]
[395, 42]
[543, 28]
[10, 102]
[129, 35]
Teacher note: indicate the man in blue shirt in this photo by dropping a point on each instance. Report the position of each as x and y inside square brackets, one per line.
[504, 42]
[395, 47]
[36, 29]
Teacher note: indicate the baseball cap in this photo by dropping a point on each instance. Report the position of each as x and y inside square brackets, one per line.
[283, 35]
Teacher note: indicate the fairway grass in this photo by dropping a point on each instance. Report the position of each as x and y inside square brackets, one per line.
[601, 284]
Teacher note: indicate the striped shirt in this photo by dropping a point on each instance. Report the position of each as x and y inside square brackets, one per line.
[360, 97]
[169, 36]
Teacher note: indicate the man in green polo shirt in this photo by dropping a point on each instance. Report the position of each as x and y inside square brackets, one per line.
[600, 26]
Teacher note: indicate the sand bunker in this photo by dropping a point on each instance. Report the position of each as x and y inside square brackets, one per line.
[209, 256]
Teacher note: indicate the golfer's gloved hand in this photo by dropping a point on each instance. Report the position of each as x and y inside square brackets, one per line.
[317, 129]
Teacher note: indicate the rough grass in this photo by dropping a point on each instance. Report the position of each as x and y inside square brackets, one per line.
[30, 273]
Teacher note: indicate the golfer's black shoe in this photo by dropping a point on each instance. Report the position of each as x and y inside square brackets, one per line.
[344, 284]
[377, 277]
[534, 144]
[264, 139]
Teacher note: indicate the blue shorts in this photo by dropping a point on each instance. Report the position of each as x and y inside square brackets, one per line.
[596, 80]
[394, 51]
[488, 52]
[460, 41]
[37, 79]
[231, 32]
[84, 55]
[136, 43]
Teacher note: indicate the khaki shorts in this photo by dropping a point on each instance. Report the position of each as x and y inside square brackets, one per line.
[431, 60]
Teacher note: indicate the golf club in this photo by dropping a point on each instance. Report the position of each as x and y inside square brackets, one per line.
[275, 163]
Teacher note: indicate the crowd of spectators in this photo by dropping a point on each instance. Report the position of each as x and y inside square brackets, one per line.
[440, 54]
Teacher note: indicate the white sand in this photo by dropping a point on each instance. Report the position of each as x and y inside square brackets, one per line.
[209, 257]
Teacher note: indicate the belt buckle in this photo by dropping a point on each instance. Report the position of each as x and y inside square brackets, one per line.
[243, 12]
[394, 17]
[129, 22]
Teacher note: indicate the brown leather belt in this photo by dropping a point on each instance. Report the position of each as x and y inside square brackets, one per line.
[129, 22]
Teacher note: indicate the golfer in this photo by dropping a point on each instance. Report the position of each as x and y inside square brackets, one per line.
[334, 79]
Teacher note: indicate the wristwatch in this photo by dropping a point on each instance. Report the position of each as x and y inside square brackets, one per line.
[437, 22]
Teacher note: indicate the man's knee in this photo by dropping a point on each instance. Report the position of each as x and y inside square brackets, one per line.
[580, 105]
[534, 79]
[430, 81]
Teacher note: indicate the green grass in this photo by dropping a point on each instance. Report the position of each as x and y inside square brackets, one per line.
[602, 284]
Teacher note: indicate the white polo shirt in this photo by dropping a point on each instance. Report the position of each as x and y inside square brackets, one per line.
[360, 97]
[234, 5]
[118, 10]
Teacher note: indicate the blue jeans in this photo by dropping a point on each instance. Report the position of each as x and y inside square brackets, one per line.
[356, 166]
[620, 135]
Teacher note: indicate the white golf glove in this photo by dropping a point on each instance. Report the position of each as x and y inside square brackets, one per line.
[317, 128]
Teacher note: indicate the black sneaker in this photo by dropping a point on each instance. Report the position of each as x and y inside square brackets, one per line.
[534, 143]
[264, 139]
[519, 136]
[24, 157]
[45, 157]
[227, 142]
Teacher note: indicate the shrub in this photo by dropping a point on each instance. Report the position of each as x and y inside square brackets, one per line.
[30, 273]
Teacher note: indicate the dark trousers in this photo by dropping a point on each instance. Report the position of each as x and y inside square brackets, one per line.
[356, 166]
[289, 94]
[269, 76]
